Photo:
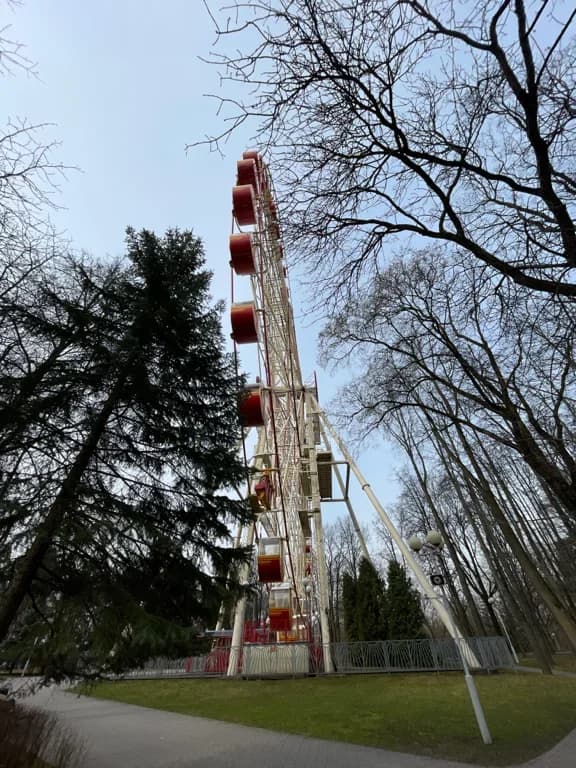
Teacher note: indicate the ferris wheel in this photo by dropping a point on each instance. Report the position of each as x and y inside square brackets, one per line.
[291, 469]
[292, 466]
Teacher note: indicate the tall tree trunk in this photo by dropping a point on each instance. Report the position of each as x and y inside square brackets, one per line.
[549, 473]
[472, 623]
[544, 556]
[29, 564]
[512, 596]
[547, 592]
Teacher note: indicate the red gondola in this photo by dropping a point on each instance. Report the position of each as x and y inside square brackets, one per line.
[270, 560]
[251, 407]
[242, 254]
[247, 173]
[244, 204]
[243, 320]
[280, 609]
[252, 154]
[264, 491]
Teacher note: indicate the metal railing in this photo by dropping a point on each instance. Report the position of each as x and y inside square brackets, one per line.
[419, 655]
[293, 659]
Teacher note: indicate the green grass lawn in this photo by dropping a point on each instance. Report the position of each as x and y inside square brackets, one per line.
[563, 661]
[421, 714]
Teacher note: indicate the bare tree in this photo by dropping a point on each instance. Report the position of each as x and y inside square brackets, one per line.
[432, 514]
[431, 339]
[31, 255]
[12, 53]
[429, 335]
[481, 569]
[390, 123]
[29, 174]
[343, 555]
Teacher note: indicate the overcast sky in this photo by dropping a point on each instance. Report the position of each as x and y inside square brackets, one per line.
[123, 84]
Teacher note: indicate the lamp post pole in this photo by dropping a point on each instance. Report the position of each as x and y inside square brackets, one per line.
[432, 546]
[308, 590]
[492, 601]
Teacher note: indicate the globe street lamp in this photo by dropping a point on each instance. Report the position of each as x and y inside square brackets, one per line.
[432, 546]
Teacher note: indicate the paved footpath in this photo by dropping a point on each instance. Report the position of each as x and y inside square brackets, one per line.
[125, 736]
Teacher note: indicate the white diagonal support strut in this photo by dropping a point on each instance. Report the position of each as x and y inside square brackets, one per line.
[422, 579]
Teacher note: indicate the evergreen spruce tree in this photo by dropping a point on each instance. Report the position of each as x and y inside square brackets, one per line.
[124, 437]
[350, 607]
[371, 603]
[403, 610]
[364, 601]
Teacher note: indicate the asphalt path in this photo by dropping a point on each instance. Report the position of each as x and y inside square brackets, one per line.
[125, 736]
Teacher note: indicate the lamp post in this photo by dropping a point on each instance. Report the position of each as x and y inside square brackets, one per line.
[432, 546]
[308, 590]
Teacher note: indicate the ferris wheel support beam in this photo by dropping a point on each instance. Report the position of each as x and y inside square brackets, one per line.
[352, 514]
[323, 589]
[323, 593]
[423, 581]
[239, 612]
[346, 497]
[222, 609]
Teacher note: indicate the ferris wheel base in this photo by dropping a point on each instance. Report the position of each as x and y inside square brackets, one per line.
[280, 659]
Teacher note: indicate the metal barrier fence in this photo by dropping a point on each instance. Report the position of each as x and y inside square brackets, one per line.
[419, 655]
[291, 659]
